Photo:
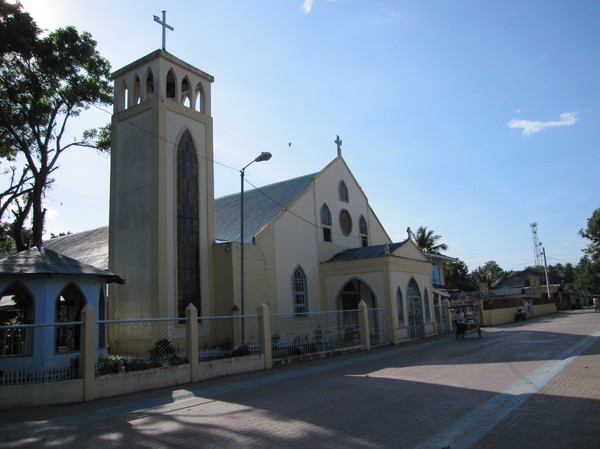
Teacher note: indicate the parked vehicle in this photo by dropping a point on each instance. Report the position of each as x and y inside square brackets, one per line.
[466, 320]
[520, 315]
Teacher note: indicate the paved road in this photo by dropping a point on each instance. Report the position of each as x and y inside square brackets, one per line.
[528, 385]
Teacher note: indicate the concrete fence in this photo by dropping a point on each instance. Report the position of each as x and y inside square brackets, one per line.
[89, 385]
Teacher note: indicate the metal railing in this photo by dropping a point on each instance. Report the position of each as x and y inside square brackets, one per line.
[295, 335]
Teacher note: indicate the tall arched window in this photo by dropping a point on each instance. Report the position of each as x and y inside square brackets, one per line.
[171, 86]
[188, 226]
[137, 94]
[199, 101]
[343, 191]
[149, 85]
[364, 231]
[186, 93]
[326, 222]
[123, 98]
[400, 302]
[299, 293]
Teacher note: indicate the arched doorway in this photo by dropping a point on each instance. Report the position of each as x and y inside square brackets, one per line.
[415, 312]
[69, 305]
[16, 308]
[350, 296]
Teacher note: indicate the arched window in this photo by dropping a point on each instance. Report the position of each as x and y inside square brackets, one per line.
[188, 226]
[149, 85]
[400, 302]
[364, 231]
[69, 305]
[343, 191]
[137, 99]
[427, 308]
[199, 102]
[299, 293]
[171, 86]
[326, 222]
[16, 307]
[123, 97]
[186, 94]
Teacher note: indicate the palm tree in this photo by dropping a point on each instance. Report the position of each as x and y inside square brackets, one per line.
[427, 240]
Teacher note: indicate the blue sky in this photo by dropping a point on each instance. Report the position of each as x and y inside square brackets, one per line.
[474, 118]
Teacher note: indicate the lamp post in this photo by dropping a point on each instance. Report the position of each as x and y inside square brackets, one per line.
[264, 156]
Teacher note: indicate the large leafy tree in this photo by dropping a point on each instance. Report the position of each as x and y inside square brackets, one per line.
[457, 276]
[588, 269]
[427, 241]
[45, 80]
[491, 273]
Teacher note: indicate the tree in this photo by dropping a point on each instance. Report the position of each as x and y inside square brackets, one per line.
[490, 273]
[427, 240]
[562, 274]
[457, 276]
[44, 82]
[592, 233]
[588, 269]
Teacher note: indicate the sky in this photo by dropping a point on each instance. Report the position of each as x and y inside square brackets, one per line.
[474, 118]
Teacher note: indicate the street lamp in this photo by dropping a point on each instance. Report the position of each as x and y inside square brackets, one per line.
[264, 156]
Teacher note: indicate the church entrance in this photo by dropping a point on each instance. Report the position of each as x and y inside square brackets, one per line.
[415, 311]
[351, 295]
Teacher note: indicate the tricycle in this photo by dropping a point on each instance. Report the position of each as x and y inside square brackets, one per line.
[466, 320]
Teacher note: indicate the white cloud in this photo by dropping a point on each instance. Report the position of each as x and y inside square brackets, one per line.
[307, 6]
[530, 127]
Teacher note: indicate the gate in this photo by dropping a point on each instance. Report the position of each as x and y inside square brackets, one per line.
[415, 312]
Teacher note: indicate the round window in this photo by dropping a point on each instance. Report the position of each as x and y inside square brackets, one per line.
[345, 222]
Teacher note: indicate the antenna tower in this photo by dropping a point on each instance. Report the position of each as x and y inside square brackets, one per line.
[536, 245]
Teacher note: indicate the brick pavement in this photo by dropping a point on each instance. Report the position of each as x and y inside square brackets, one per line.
[427, 394]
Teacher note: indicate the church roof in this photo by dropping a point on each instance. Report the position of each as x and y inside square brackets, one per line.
[88, 247]
[260, 207]
[46, 261]
[366, 252]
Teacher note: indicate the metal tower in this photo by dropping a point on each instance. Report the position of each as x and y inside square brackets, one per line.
[536, 246]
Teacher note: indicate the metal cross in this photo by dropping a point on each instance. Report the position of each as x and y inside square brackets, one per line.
[338, 141]
[163, 22]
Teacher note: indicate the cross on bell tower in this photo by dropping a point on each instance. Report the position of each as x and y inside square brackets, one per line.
[163, 22]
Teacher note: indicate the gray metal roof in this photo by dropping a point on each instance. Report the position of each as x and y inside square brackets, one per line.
[366, 252]
[46, 261]
[260, 207]
[88, 247]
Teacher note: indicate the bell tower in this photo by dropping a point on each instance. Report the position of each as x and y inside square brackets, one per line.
[161, 188]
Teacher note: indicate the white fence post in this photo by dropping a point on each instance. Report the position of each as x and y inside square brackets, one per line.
[363, 320]
[87, 353]
[265, 330]
[191, 341]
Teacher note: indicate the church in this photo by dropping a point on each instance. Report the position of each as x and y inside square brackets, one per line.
[307, 244]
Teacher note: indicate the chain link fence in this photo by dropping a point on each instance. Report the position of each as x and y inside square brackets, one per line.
[136, 345]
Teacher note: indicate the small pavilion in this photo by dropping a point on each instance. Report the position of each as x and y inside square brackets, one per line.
[39, 286]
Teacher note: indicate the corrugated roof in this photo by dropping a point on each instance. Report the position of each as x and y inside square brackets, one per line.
[260, 207]
[89, 247]
[366, 252]
[47, 261]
